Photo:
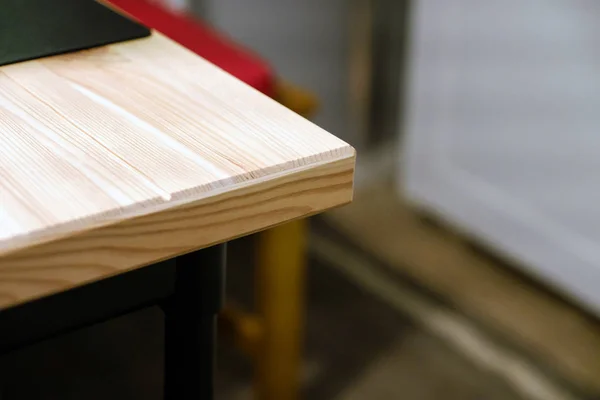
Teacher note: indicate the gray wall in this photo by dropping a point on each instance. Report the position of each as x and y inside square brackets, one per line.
[502, 132]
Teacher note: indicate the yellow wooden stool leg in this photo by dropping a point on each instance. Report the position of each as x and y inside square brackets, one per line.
[280, 284]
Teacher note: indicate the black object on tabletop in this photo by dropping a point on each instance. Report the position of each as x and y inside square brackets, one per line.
[31, 29]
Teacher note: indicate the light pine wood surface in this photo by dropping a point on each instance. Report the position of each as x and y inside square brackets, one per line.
[120, 156]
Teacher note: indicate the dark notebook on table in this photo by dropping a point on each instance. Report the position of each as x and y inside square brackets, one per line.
[32, 29]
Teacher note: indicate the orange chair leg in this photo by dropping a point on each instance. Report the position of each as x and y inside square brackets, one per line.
[280, 284]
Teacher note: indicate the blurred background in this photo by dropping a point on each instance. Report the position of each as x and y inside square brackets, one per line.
[468, 266]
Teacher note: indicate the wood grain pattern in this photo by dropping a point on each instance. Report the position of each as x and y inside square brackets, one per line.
[119, 156]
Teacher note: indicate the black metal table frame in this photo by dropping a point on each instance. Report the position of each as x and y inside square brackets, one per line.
[189, 288]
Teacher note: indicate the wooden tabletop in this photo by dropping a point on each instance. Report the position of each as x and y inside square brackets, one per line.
[124, 155]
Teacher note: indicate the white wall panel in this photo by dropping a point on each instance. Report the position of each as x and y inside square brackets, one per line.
[503, 133]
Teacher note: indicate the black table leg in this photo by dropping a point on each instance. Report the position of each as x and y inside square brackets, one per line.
[190, 324]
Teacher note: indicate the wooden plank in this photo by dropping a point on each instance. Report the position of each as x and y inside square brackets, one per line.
[103, 252]
[125, 137]
[560, 337]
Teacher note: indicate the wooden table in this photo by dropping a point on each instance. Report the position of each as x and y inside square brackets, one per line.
[138, 154]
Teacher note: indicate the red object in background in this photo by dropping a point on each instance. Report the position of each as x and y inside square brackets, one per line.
[203, 41]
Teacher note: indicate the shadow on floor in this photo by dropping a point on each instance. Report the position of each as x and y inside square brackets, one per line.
[356, 348]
